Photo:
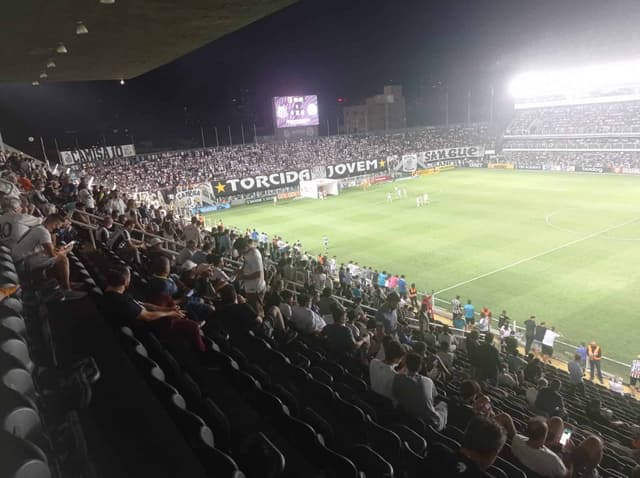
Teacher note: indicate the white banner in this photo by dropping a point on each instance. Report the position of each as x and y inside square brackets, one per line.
[413, 161]
[90, 155]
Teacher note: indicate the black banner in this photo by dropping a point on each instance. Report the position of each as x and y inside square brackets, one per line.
[90, 155]
[250, 184]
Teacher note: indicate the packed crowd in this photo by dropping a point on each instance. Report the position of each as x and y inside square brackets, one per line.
[224, 282]
[170, 170]
[599, 118]
[564, 161]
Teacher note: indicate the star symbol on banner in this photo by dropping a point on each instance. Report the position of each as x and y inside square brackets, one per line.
[220, 187]
[382, 163]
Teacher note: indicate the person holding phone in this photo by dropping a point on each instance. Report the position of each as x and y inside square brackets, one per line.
[35, 251]
[531, 451]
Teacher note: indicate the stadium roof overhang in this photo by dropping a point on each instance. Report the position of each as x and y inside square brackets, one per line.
[125, 39]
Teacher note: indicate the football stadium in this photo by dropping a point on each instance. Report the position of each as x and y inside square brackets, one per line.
[231, 245]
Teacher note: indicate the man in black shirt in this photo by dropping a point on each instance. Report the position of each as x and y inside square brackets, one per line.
[538, 337]
[530, 332]
[483, 440]
[168, 322]
[487, 360]
[340, 339]
[550, 401]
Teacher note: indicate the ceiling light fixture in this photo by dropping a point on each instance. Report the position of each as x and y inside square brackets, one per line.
[51, 64]
[43, 75]
[62, 49]
[81, 29]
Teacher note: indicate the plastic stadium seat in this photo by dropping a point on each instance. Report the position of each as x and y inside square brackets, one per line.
[322, 376]
[370, 462]
[415, 442]
[288, 398]
[260, 458]
[147, 366]
[244, 383]
[217, 421]
[386, 442]
[268, 404]
[218, 463]
[193, 428]
[511, 470]
[13, 344]
[15, 323]
[20, 380]
[21, 458]
[12, 304]
[9, 277]
[166, 394]
[414, 464]
[18, 415]
[319, 424]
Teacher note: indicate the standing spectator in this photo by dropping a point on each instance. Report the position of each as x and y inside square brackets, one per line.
[595, 356]
[413, 296]
[529, 334]
[415, 394]
[402, 287]
[387, 314]
[487, 360]
[251, 274]
[503, 319]
[582, 351]
[531, 451]
[576, 373]
[192, 231]
[548, 340]
[541, 329]
[469, 313]
[456, 307]
[635, 373]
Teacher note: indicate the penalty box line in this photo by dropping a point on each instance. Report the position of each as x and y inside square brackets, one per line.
[540, 254]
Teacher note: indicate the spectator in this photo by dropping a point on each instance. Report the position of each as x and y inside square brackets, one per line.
[340, 340]
[192, 232]
[252, 274]
[549, 400]
[531, 451]
[14, 223]
[586, 457]
[305, 320]
[633, 450]
[576, 373]
[168, 322]
[383, 372]
[582, 351]
[186, 253]
[487, 361]
[530, 333]
[634, 374]
[327, 304]
[445, 356]
[595, 356]
[105, 230]
[483, 440]
[235, 313]
[124, 244]
[416, 394]
[469, 313]
[531, 393]
[388, 313]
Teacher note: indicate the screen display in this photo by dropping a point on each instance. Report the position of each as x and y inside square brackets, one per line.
[292, 111]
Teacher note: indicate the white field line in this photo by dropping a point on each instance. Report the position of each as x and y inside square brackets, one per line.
[540, 254]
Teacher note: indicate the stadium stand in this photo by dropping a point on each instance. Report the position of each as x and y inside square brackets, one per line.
[109, 379]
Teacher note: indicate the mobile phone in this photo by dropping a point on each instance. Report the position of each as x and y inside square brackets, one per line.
[189, 294]
[566, 434]
[70, 244]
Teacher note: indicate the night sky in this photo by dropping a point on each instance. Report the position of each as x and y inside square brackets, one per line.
[333, 48]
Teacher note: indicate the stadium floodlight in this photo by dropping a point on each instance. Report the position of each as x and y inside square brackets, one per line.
[51, 64]
[61, 49]
[107, 2]
[35, 83]
[43, 75]
[81, 29]
[575, 81]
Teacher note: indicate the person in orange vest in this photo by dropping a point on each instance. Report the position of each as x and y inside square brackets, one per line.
[413, 296]
[595, 356]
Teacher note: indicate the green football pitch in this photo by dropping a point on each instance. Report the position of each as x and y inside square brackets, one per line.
[563, 247]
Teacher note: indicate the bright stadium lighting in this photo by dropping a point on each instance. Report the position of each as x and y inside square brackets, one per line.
[51, 64]
[107, 2]
[43, 75]
[61, 49]
[575, 81]
[35, 83]
[122, 82]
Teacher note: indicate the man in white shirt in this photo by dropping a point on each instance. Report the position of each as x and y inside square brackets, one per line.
[532, 452]
[218, 274]
[192, 231]
[252, 274]
[550, 336]
[383, 372]
[305, 320]
[36, 251]
[14, 224]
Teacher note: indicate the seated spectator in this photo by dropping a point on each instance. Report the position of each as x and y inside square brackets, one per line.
[286, 304]
[375, 344]
[383, 372]
[507, 379]
[13, 223]
[445, 336]
[218, 273]
[105, 230]
[430, 337]
[482, 406]
[531, 394]
[549, 401]
[340, 340]
[237, 316]
[124, 244]
[305, 320]
[599, 415]
[555, 426]
[586, 457]
[186, 253]
[483, 440]
[533, 370]
[35, 251]
[167, 322]
[358, 328]
[445, 356]
[531, 451]
[415, 394]
[201, 255]
[616, 386]
[633, 449]
[461, 407]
